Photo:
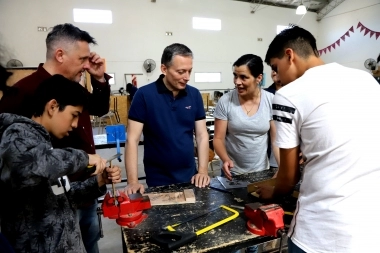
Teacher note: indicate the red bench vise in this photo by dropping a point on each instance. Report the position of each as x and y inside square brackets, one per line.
[264, 220]
[126, 209]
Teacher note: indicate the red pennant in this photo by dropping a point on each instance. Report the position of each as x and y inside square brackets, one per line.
[366, 31]
[343, 38]
[324, 50]
[329, 48]
[352, 29]
[333, 45]
[338, 42]
[371, 34]
[359, 25]
[362, 28]
[320, 52]
[347, 34]
[377, 35]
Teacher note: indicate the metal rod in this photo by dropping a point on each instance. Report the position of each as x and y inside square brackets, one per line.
[113, 188]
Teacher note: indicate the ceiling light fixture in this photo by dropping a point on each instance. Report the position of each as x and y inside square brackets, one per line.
[301, 10]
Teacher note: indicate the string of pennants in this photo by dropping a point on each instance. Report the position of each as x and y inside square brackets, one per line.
[347, 34]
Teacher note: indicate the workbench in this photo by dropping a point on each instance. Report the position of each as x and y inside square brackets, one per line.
[100, 141]
[228, 237]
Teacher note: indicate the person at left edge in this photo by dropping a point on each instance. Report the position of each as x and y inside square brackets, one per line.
[68, 54]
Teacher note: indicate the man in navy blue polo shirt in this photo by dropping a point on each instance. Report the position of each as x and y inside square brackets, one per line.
[168, 112]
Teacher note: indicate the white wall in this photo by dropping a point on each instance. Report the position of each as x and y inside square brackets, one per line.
[356, 48]
[138, 32]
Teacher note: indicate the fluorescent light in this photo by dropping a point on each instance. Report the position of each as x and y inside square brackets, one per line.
[301, 10]
[92, 16]
[207, 24]
[208, 77]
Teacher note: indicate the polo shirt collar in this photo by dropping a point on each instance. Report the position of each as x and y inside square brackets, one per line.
[161, 88]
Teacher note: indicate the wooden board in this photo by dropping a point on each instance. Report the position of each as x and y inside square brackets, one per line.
[171, 198]
[205, 98]
[18, 74]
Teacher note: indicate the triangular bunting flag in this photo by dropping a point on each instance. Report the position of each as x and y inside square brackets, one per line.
[329, 48]
[362, 28]
[366, 31]
[371, 34]
[343, 37]
[333, 45]
[320, 52]
[359, 25]
[352, 29]
[338, 42]
[347, 34]
[324, 50]
[377, 35]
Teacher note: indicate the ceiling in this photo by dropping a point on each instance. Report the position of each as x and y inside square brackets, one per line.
[311, 5]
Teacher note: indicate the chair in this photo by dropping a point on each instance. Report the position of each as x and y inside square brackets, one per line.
[100, 120]
[212, 157]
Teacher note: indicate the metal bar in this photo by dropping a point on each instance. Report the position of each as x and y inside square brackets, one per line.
[328, 8]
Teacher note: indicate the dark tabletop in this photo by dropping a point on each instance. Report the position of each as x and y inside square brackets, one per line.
[230, 236]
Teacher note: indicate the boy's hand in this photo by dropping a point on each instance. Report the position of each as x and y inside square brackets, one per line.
[112, 175]
[96, 160]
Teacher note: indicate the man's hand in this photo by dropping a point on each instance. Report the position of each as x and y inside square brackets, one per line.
[227, 166]
[200, 180]
[112, 175]
[100, 163]
[265, 191]
[133, 188]
[96, 67]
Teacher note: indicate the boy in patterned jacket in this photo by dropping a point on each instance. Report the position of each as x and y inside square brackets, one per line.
[41, 212]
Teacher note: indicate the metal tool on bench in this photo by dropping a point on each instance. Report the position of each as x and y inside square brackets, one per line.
[265, 220]
[172, 239]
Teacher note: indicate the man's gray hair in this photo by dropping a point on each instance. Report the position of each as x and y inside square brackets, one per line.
[65, 34]
[173, 50]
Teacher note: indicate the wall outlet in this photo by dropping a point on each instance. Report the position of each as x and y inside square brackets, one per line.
[259, 39]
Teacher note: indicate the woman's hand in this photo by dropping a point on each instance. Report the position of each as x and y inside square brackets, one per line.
[227, 166]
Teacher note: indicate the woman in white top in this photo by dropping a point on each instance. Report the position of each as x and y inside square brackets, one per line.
[243, 118]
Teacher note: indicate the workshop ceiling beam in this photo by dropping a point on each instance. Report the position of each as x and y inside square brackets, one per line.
[328, 8]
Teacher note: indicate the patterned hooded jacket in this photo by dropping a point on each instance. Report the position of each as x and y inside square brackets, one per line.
[33, 218]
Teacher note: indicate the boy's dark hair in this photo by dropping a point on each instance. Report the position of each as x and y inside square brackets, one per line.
[253, 62]
[66, 33]
[64, 91]
[173, 50]
[300, 40]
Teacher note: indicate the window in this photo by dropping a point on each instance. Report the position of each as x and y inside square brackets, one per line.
[208, 77]
[281, 27]
[207, 24]
[92, 16]
[112, 80]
